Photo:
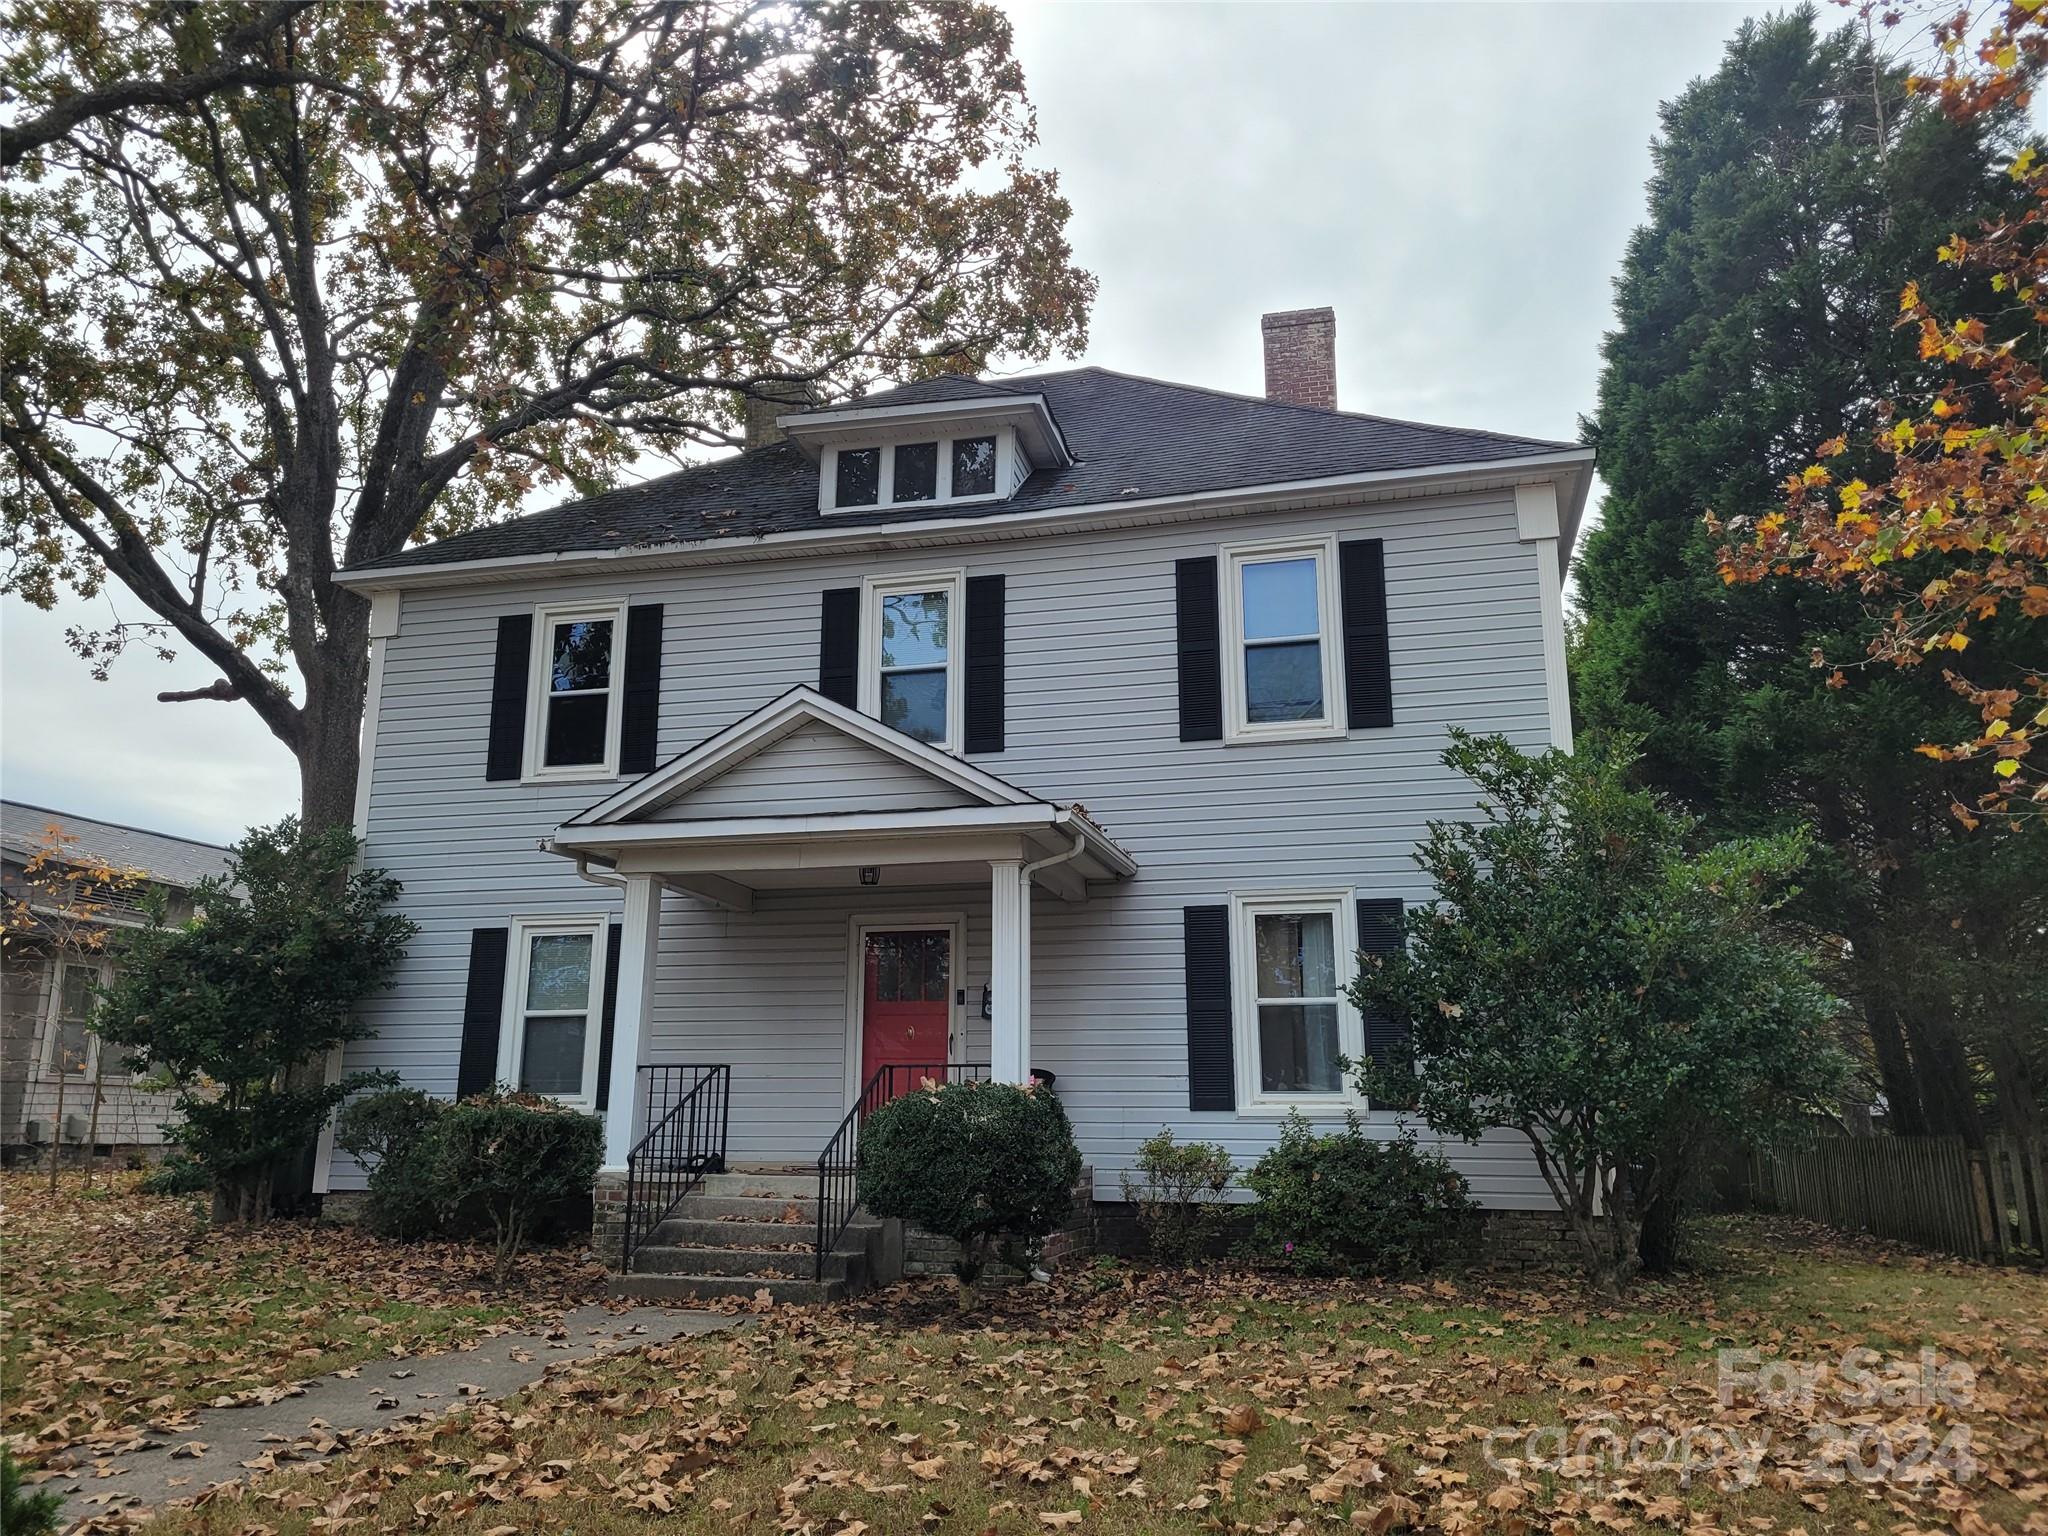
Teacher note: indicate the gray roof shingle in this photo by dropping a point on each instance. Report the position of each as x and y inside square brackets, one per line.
[1131, 437]
[167, 860]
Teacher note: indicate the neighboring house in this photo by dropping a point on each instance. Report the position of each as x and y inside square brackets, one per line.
[60, 954]
[1077, 722]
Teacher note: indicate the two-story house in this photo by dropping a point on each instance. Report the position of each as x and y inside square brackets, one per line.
[1079, 723]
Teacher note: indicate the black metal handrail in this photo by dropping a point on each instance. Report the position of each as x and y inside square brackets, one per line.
[839, 1163]
[679, 1149]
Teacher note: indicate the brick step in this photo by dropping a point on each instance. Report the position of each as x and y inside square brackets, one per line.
[789, 1293]
[683, 1230]
[659, 1259]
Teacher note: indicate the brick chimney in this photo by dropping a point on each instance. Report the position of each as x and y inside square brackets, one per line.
[772, 398]
[1301, 357]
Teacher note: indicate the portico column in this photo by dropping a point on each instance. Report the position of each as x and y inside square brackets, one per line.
[625, 1116]
[1009, 972]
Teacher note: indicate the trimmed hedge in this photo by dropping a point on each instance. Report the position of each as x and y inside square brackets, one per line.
[497, 1162]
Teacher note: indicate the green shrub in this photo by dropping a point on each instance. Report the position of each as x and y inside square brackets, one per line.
[391, 1135]
[1178, 1189]
[1344, 1203]
[24, 1514]
[177, 1174]
[511, 1156]
[239, 1011]
[981, 1163]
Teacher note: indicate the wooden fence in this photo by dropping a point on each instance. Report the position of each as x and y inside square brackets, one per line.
[1932, 1191]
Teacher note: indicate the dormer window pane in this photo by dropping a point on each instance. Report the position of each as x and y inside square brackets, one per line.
[974, 466]
[917, 471]
[859, 478]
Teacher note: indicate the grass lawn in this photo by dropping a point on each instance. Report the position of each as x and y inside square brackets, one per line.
[119, 1307]
[1117, 1401]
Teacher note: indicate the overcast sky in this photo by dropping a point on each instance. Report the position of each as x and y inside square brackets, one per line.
[1456, 180]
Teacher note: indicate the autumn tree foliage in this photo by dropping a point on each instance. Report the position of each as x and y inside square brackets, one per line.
[1937, 513]
[1797, 190]
[1596, 976]
[289, 285]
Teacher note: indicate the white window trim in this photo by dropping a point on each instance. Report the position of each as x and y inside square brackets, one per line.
[828, 471]
[512, 1025]
[858, 929]
[873, 589]
[541, 667]
[1236, 728]
[1252, 1100]
[53, 1003]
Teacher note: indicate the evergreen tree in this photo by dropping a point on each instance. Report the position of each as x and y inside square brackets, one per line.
[1795, 192]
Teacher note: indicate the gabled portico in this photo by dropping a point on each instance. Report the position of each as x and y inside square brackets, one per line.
[806, 795]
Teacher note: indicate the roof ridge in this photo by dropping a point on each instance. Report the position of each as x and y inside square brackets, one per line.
[861, 401]
[118, 826]
[1316, 410]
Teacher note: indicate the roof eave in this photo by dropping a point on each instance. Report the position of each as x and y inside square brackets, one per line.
[1571, 466]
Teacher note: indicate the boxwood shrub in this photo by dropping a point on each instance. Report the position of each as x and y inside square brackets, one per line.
[1343, 1203]
[498, 1162]
[988, 1164]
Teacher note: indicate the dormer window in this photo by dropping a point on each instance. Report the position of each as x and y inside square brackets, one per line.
[918, 472]
[857, 477]
[928, 453]
[974, 466]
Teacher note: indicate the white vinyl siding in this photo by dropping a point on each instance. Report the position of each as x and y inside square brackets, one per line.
[1091, 716]
[814, 770]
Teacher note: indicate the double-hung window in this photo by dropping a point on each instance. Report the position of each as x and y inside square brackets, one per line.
[1292, 956]
[574, 711]
[549, 1042]
[69, 1044]
[910, 654]
[1281, 676]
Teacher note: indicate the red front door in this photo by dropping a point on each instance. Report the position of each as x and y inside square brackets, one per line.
[905, 1008]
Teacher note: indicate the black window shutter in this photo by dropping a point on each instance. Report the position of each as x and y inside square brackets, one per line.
[508, 697]
[483, 1010]
[1380, 932]
[839, 646]
[1212, 1079]
[985, 622]
[1368, 672]
[640, 720]
[1201, 662]
[610, 1017]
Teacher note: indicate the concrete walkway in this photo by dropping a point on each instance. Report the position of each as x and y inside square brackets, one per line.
[220, 1445]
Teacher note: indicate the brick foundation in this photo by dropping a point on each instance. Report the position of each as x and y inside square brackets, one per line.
[926, 1253]
[608, 1219]
[1515, 1241]
[1495, 1241]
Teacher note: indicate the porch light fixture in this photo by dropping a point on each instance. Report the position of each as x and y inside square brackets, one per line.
[871, 874]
